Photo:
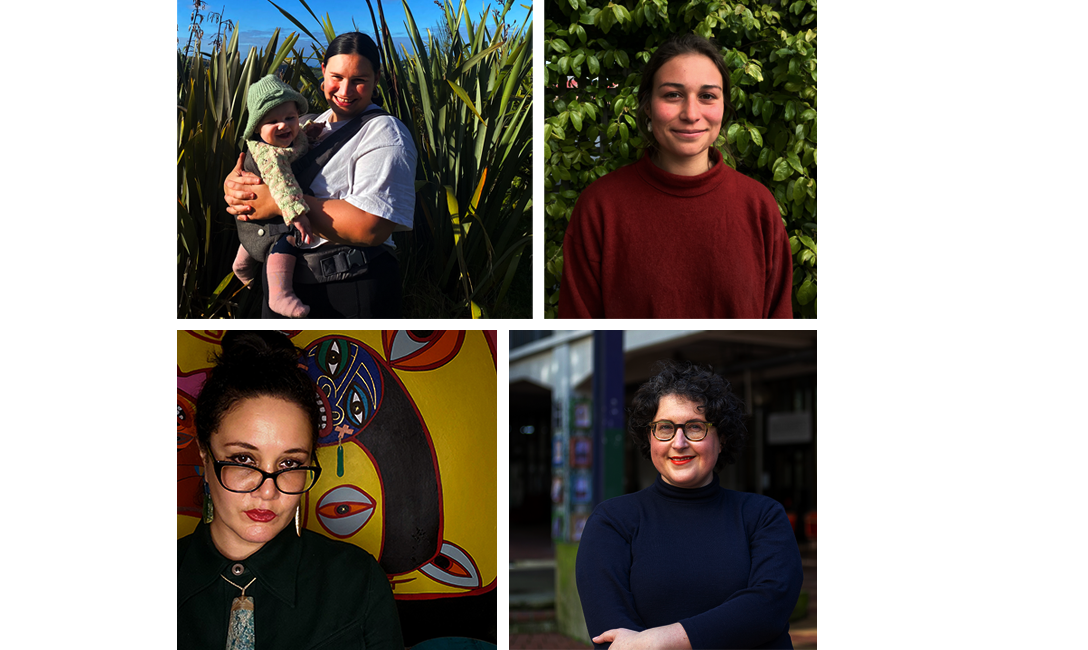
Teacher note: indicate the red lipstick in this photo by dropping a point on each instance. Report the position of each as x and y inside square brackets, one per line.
[261, 515]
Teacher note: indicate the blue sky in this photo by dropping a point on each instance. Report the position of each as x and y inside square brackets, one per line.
[258, 18]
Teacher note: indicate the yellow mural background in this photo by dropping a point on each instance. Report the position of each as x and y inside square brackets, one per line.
[457, 403]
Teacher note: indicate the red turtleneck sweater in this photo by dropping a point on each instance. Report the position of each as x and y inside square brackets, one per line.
[644, 243]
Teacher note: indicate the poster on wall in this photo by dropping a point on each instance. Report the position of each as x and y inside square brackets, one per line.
[581, 452]
[408, 426]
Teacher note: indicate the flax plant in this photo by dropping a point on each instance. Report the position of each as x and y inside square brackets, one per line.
[212, 92]
[470, 104]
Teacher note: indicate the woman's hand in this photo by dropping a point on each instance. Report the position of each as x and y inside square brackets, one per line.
[313, 129]
[620, 638]
[246, 196]
[668, 636]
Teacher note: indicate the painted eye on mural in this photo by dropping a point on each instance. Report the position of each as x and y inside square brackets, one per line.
[358, 406]
[186, 423]
[329, 357]
[453, 566]
[344, 510]
[421, 349]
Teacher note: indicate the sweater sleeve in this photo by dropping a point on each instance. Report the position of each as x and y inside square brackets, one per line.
[603, 573]
[778, 290]
[275, 166]
[381, 623]
[580, 293]
[761, 612]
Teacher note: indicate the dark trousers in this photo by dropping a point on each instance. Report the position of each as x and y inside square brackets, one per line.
[375, 294]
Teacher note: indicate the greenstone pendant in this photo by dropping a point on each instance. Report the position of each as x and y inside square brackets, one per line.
[340, 461]
[240, 629]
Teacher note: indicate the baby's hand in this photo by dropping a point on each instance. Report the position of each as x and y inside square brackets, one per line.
[313, 129]
[302, 222]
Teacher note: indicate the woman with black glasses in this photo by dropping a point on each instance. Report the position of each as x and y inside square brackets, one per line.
[686, 563]
[249, 575]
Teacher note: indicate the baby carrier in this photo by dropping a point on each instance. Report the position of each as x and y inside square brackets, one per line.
[329, 262]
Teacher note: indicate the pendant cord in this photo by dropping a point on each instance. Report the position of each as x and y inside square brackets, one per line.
[242, 588]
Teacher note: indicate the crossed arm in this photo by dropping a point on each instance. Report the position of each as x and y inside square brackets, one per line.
[334, 219]
[750, 617]
[667, 636]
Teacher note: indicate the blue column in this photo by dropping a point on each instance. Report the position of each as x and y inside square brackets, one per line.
[608, 423]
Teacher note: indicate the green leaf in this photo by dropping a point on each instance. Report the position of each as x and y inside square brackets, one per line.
[795, 162]
[764, 156]
[806, 293]
[757, 137]
[576, 120]
[463, 96]
[594, 65]
[781, 170]
[617, 104]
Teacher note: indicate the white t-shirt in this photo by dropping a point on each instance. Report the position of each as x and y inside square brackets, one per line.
[374, 171]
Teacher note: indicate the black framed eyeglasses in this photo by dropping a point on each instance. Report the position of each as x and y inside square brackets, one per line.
[694, 430]
[236, 477]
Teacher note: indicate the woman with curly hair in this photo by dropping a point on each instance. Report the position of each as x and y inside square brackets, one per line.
[686, 563]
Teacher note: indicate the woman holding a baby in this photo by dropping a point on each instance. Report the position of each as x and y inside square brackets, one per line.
[359, 170]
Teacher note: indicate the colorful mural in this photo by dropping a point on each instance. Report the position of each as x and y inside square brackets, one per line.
[407, 447]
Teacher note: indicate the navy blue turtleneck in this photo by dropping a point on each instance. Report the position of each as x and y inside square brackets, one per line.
[723, 564]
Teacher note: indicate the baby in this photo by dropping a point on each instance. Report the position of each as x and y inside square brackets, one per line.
[274, 140]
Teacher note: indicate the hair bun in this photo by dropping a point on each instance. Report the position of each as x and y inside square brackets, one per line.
[248, 346]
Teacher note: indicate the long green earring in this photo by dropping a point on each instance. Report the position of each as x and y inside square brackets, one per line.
[209, 510]
[340, 454]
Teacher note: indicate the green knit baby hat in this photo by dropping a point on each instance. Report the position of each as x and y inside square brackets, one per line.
[267, 94]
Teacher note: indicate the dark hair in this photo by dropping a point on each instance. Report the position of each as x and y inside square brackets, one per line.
[355, 43]
[254, 364]
[676, 46]
[719, 406]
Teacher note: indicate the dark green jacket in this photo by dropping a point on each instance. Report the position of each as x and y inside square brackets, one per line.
[310, 592]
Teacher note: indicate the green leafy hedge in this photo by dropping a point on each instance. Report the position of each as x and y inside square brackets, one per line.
[593, 60]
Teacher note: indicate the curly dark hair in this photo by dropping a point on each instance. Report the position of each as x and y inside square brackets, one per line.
[720, 406]
[254, 364]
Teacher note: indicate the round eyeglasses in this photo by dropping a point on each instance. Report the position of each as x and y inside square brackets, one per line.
[236, 477]
[694, 430]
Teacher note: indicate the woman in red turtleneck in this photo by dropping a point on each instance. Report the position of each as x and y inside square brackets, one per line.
[678, 234]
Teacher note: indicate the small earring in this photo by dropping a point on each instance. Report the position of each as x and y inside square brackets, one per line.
[208, 514]
[298, 520]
